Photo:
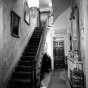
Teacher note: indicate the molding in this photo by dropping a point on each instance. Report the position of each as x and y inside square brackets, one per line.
[13, 65]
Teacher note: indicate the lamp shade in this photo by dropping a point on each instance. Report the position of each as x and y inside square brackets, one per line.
[33, 3]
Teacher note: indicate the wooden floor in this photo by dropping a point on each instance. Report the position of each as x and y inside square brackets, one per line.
[56, 79]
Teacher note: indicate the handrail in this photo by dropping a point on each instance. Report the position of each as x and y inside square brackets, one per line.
[40, 44]
[36, 61]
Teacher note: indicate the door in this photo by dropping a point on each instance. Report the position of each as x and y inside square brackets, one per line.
[61, 55]
[58, 53]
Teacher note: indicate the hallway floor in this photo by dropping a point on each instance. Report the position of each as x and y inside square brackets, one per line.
[57, 79]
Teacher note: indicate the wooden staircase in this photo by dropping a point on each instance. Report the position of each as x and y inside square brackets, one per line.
[24, 74]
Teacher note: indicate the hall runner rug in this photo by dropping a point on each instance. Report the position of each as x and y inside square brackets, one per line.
[59, 79]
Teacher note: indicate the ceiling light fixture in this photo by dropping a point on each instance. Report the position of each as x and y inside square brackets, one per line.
[33, 6]
[50, 4]
[33, 3]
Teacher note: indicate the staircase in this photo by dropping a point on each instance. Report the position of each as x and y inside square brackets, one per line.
[23, 76]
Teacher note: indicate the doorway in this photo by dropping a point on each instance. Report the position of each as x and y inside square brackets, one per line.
[58, 52]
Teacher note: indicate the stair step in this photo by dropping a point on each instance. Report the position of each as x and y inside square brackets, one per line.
[21, 68]
[21, 75]
[35, 38]
[30, 50]
[27, 58]
[36, 35]
[35, 41]
[38, 28]
[32, 43]
[32, 46]
[18, 87]
[29, 53]
[38, 31]
[24, 63]
[20, 83]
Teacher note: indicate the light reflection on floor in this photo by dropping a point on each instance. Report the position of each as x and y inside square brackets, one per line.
[46, 80]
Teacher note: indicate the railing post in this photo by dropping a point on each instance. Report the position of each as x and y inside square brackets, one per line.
[33, 75]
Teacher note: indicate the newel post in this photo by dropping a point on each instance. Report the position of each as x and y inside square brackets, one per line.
[33, 74]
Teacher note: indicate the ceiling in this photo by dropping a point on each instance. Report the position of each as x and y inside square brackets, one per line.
[59, 6]
[44, 5]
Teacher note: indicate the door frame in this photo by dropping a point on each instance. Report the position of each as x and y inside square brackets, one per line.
[1, 46]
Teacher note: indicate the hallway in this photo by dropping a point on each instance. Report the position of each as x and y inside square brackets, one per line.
[57, 79]
[31, 28]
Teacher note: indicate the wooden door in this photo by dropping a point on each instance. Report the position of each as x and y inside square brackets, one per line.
[58, 53]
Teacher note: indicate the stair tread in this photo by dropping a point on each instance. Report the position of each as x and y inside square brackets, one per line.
[33, 44]
[28, 56]
[29, 53]
[37, 35]
[18, 87]
[21, 68]
[21, 75]
[22, 72]
[24, 66]
[30, 50]
[24, 63]
[22, 81]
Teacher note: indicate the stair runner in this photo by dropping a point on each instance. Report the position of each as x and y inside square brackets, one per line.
[22, 76]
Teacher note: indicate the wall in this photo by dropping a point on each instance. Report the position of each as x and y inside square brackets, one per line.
[12, 46]
[84, 41]
[63, 23]
[1, 43]
[59, 6]
[83, 26]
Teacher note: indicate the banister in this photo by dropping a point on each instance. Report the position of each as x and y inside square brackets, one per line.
[37, 61]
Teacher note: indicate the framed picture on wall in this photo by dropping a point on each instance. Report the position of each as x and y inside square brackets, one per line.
[26, 13]
[15, 20]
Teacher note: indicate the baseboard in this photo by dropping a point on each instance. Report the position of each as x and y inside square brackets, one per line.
[14, 64]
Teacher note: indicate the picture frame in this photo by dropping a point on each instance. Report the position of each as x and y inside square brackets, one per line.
[26, 13]
[15, 23]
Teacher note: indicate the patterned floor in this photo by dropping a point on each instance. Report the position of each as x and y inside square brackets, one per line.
[57, 79]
